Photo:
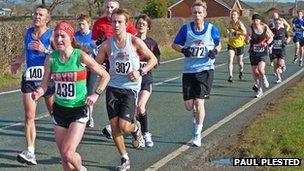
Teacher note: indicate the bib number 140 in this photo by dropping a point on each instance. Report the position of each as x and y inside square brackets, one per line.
[34, 73]
[65, 90]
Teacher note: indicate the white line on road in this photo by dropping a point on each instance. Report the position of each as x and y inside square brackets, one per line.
[8, 92]
[183, 148]
[44, 115]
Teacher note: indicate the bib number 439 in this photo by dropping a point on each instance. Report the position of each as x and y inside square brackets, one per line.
[65, 90]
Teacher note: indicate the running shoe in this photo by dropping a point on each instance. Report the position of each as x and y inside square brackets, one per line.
[300, 62]
[283, 68]
[148, 139]
[295, 60]
[90, 123]
[138, 139]
[259, 93]
[255, 88]
[83, 168]
[107, 132]
[196, 140]
[241, 75]
[124, 165]
[230, 79]
[265, 81]
[279, 80]
[27, 157]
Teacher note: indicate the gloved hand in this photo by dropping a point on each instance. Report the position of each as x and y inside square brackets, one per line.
[186, 51]
[212, 53]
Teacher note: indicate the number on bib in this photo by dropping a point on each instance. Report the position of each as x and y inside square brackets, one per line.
[198, 52]
[258, 48]
[142, 64]
[123, 67]
[277, 44]
[65, 90]
[34, 73]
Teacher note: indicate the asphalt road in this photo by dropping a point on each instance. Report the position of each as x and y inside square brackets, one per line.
[169, 122]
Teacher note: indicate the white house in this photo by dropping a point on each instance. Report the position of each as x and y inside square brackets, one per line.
[5, 12]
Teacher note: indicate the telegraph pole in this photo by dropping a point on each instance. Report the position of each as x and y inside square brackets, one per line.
[296, 6]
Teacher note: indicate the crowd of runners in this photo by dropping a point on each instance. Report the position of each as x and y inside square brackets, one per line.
[72, 69]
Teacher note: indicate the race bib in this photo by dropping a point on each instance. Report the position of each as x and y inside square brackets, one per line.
[258, 48]
[65, 90]
[277, 44]
[34, 73]
[198, 51]
[298, 29]
[123, 67]
[142, 64]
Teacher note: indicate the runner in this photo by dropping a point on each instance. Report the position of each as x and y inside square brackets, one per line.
[37, 44]
[275, 16]
[70, 113]
[103, 30]
[277, 48]
[298, 28]
[84, 38]
[259, 39]
[236, 33]
[271, 25]
[199, 41]
[143, 24]
[124, 85]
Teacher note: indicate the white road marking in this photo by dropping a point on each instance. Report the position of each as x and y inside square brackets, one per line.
[44, 115]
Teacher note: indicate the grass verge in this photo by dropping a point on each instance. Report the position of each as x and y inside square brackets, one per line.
[9, 81]
[278, 132]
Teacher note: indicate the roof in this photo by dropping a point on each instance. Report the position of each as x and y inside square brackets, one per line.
[226, 3]
[245, 6]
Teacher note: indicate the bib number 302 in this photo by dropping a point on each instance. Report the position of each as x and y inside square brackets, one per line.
[122, 67]
[65, 90]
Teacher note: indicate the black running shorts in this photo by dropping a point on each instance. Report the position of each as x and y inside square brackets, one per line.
[146, 86]
[31, 86]
[238, 51]
[278, 54]
[197, 85]
[121, 103]
[255, 60]
[64, 116]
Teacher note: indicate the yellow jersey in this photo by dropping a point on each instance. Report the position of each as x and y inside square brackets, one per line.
[235, 40]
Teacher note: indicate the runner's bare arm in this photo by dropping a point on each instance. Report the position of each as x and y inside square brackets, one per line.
[45, 81]
[243, 29]
[269, 35]
[146, 52]
[97, 68]
[102, 52]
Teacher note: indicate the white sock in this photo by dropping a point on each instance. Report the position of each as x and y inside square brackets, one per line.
[198, 128]
[264, 77]
[125, 156]
[31, 149]
[135, 128]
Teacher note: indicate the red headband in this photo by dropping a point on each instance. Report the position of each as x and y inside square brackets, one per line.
[66, 27]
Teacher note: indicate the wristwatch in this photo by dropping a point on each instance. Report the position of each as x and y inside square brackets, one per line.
[47, 51]
[98, 91]
[141, 72]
